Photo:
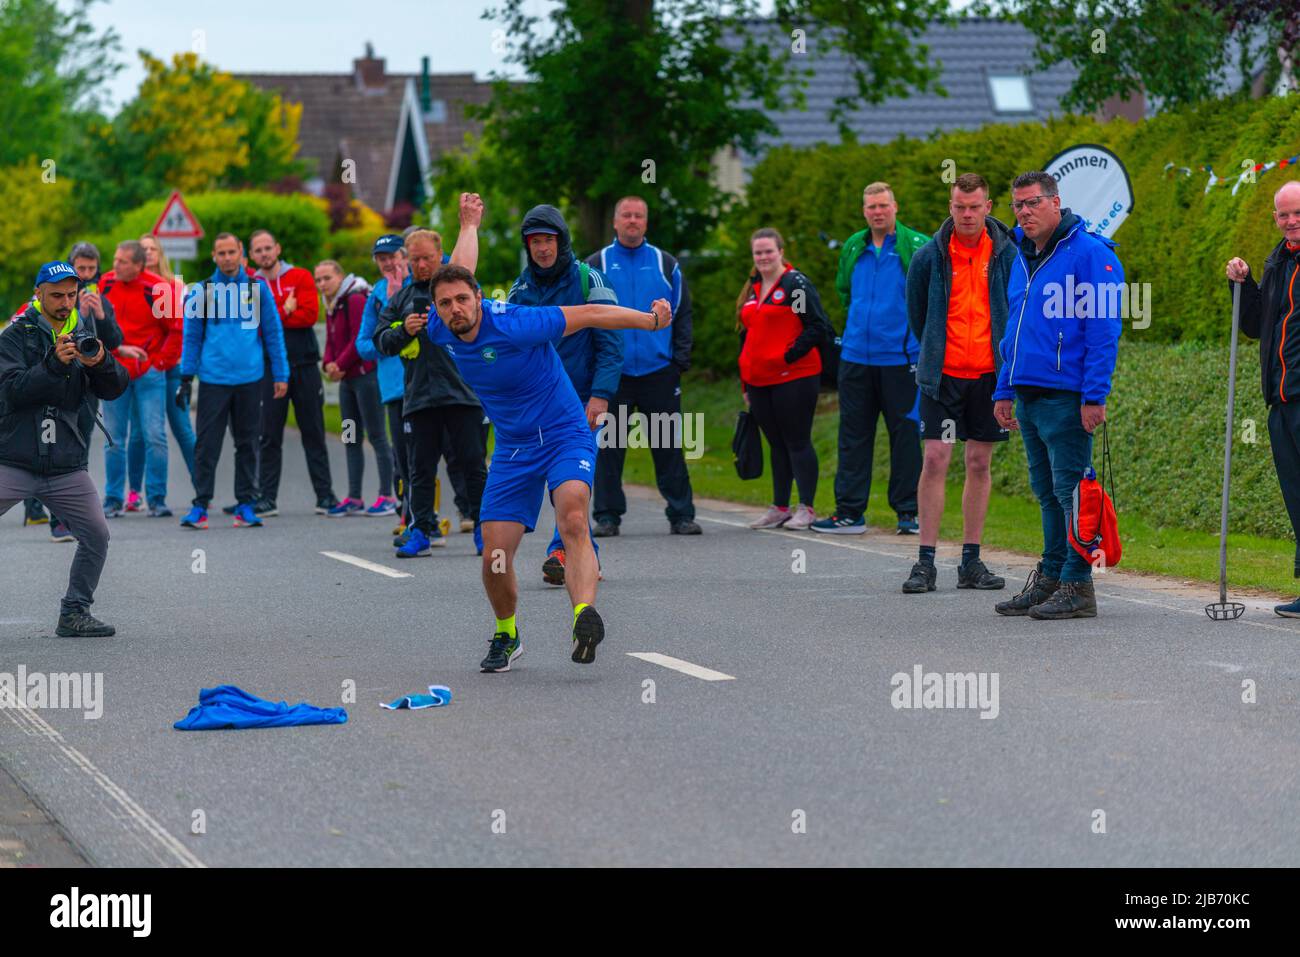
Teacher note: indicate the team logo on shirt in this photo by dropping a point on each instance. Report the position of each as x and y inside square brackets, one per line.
[584, 465]
[778, 295]
[489, 354]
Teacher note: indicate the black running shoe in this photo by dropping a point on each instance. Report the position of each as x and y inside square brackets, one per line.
[685, 527]
[588, 631]
[325, 503]
[263, 508]
[502, 650]
[921, 580]
[975, 574]
[604, 530]
[82, 624]
[553, 568]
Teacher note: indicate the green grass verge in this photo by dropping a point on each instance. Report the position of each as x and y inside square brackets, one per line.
[1013, 522]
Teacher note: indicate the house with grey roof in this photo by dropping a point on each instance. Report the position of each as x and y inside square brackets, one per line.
[987, 72]
[392, 127]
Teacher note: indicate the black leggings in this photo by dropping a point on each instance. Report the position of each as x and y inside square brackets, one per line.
[785, 415]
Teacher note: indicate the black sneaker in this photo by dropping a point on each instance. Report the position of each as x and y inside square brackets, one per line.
[324, 504]
[265, 507]
[553, 568]
[588, 631]
[1070, 600]
[908, 525]
[921, 580]
[975, 574]
[1036, 591]
[685, 527]
[82, 624]
[604, 530]
[502, 650]
[36, 516]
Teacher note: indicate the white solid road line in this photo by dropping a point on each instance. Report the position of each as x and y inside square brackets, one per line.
[685, 667]
[368, 566]
[827, 540]
[151, 835]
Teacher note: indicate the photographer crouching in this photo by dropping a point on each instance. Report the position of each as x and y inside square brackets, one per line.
[51, 364]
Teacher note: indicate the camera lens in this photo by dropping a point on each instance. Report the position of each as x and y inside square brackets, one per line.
[88, 346]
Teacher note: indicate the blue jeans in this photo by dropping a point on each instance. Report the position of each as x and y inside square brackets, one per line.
[1058, 450]
[182, 428]
[144, 399]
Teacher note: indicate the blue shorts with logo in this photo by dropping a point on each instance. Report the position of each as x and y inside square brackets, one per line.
[518, 477]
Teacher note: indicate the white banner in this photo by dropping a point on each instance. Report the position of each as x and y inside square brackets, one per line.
[1094, 184]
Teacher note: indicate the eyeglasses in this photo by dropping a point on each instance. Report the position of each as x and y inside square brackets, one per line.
[1020, 204]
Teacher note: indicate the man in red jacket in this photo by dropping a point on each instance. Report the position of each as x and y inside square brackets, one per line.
[140, 307]
[296, 300]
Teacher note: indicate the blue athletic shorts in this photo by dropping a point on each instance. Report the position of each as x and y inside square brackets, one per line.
[518, 477]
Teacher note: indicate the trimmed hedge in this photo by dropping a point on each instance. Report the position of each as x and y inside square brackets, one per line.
[36, 223]
[1177, 238]
[298, 223]
[1166, 420]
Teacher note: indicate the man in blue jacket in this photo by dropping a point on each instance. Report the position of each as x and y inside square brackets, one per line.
[593, 358]
[389, 255]
[1058, 356]
[231, 329]
[653, 363]
[877, 371]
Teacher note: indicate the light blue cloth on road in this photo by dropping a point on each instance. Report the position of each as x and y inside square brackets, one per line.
[438, 696]
[226, 706]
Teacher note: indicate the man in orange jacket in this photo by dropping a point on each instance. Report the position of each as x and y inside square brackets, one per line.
[294, 289]
[140, 308]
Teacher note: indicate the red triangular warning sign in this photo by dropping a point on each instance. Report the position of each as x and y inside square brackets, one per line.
[176, 221]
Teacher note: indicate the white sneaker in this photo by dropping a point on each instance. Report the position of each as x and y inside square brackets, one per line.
[774, 517]
[802, 519]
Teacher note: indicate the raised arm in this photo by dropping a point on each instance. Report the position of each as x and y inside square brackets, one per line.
[471, 216]
[598, 316]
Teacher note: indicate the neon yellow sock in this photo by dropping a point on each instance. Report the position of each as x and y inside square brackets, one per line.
[508, 626]
[577, 610]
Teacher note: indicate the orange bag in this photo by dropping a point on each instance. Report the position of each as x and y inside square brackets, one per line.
[1093, 528]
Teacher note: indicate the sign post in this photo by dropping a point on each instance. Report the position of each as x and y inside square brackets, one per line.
[177, 230]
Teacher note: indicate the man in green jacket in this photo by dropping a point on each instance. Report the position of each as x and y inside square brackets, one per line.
[877, 371]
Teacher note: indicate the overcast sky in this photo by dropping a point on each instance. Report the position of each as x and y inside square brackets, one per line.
[303, 36]
[308, 36]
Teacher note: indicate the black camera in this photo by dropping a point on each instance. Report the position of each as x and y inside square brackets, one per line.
[421, 302]
[87, 344]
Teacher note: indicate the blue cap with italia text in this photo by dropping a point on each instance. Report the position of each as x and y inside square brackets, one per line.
[55, 271]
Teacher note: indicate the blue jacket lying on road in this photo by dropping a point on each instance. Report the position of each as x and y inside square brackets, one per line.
[226, 706]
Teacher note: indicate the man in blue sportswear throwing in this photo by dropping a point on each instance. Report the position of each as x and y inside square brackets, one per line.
[504, 354]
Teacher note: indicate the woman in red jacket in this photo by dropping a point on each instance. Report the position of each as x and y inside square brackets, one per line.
[782, 324]
[344, 300]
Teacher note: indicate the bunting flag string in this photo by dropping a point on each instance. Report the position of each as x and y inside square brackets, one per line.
[1248, 175]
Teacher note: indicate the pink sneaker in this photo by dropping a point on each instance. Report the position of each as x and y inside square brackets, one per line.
[134, 502]
[774, 517]
[802, 518]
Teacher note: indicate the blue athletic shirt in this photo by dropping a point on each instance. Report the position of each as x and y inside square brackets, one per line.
[517, 374]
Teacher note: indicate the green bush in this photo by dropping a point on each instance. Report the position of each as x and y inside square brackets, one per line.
[1177, 237]
[351, 249]
[1166, 420]
[297, 223]
[36, 219]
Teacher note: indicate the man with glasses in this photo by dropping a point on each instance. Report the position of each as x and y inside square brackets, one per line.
[1058, 356]
[957, 308]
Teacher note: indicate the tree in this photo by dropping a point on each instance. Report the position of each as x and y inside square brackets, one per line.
[52, 68]
[635, 96]
[1174, 51]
